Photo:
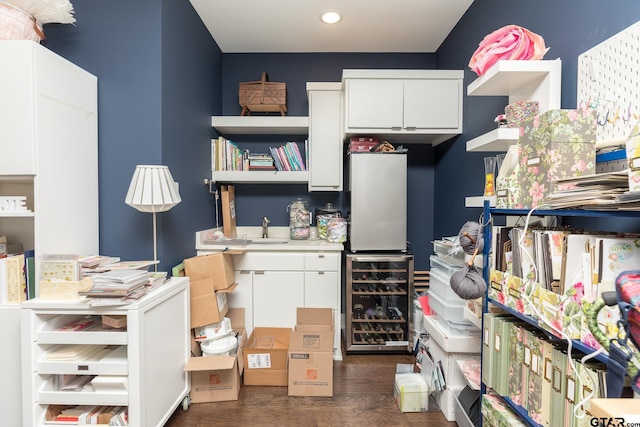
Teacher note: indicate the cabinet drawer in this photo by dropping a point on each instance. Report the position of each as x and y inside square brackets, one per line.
[276, 261]
[322, 262]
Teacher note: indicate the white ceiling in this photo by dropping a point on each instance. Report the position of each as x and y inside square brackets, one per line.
[375, 26]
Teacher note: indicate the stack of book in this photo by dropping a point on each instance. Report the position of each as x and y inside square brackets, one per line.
[119, 283]
[226, 156]
[87, 415]
[260, 161]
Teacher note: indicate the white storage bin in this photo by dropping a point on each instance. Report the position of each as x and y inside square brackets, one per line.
[452, 340]
[439, 284]
[461, 417]
[442, 266]
[453, 311]
[441, 248]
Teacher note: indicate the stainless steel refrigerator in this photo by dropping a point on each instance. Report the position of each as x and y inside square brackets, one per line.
[378, 187]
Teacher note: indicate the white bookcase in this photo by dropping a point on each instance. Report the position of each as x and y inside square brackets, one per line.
[49, 145]
[49, 141]
[151, 352]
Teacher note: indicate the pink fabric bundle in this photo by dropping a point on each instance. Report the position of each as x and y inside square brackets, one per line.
[508, 42]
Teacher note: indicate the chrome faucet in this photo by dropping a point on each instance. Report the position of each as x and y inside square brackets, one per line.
[265, 227]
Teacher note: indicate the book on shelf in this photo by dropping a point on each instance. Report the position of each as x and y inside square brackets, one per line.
[13, 282]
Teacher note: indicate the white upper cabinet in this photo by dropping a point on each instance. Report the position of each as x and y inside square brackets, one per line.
[325, 137]
[422, 106]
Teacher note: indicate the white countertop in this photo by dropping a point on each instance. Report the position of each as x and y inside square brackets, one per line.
[253, 233]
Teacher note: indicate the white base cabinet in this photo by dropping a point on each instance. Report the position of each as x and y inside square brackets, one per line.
[11, 401]
[151, 352]
[273, 284]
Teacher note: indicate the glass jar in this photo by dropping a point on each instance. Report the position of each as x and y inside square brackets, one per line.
[299, 220]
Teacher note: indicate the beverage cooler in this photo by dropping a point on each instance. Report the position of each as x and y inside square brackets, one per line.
[379, 293]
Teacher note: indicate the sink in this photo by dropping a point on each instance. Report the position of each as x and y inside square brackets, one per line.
[267, 241]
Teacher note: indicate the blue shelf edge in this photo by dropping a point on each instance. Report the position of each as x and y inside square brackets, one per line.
[566, 212]
[579, 345]
[521, 412]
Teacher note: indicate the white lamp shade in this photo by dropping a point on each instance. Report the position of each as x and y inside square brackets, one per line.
[152, 189]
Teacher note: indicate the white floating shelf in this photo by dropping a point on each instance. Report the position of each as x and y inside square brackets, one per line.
[262, 177]
[478, 201]
[509, 76]
[266, 125]
[499, 139]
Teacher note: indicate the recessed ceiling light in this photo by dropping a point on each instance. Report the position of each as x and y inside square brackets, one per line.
[331, 16]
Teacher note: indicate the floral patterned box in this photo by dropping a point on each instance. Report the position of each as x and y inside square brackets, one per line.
[512, 291]
[496, 413]
[553, 145]
[562, 312]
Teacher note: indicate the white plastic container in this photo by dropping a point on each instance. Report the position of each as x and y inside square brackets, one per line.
[442, 266]
[447, 310]
[439, 284]
[220, 347]
[213, 331]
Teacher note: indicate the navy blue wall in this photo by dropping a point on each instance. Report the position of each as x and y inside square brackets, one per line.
[569, 28]
[162, 76]
[255, 201]
[159, 76]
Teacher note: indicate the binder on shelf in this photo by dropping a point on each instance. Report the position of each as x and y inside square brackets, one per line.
[558, 383]
[502, 359]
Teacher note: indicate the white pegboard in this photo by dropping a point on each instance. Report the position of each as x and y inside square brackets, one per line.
[609, 82]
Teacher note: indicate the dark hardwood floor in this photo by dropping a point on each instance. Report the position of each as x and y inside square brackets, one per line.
[362, 396]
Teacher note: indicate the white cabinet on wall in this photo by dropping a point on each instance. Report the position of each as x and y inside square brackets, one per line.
[325, 136]
[48, 137]
[404, 105]
[151, 352]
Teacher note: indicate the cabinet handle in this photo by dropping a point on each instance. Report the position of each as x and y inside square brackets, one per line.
[259, 272]
[411, 128]
[244, 272]
[320, 255]
[396, 128]
[83, 367]
[320, 272]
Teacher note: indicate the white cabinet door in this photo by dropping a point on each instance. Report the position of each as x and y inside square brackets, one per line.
[321, 289]
[374, 103]
[325, 138]
[242, 297]
[276, 296]
[432, 104]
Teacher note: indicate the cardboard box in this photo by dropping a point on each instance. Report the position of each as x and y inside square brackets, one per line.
[214, 271]
[265, 357]
[206, 306]
[217, 378]
[311, 353]
[555, 144]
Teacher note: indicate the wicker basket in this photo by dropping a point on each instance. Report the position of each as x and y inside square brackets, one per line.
[263, 96]
[16, 24]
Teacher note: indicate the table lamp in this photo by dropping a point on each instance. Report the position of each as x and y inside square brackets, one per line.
[152, 189]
